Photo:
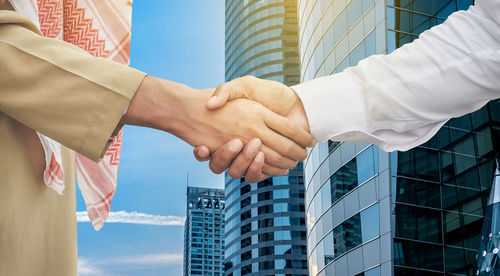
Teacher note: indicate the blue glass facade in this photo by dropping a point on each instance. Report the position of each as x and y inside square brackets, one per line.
[261, 40]
[204, 232]
[426, 206]
[265, 232]
[265, 221]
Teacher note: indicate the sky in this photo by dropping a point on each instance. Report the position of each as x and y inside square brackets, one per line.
[181, 41]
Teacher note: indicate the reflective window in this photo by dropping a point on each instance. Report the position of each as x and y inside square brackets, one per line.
[266, 251]
[356, 230]
[354, 12]
[418, 255]
[367, 164]
[344, 180]
[283, 249]
[282, 235]
[416, 192]
[418, 223]
[459, 260]
[266, 265]
[370, 223]
[372, 272]
[328, 248]
[419, 163]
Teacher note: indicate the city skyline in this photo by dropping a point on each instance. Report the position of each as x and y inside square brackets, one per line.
[148, 209]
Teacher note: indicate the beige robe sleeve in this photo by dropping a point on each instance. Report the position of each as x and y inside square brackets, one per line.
[60, 90]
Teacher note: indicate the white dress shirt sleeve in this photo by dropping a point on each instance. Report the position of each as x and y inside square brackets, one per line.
[399, 101]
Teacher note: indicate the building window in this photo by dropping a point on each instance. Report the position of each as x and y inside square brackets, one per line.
[418, 255]
[418, 223]
[267, 265]
[416, 192]
[246, 228]
[419, 163]
[246, 255]
[245, 202]
[246, 242]
[357, 230]
[266, 251]
[246, 269]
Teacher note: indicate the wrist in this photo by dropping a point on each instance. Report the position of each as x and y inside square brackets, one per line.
[158, 104]
[298, 112]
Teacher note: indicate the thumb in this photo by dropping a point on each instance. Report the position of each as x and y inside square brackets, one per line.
[201, 153]
[220, 97]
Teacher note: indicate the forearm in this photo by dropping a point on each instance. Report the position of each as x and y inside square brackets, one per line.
[162, 104]
[60, 90]
[400, 100]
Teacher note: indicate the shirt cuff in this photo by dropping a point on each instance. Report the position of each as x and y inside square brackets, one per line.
[107, 124]
[334, 107]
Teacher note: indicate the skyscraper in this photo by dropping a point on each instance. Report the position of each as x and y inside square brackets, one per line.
[370, 212]
[265, 221]
[204, 232]
[261, 40]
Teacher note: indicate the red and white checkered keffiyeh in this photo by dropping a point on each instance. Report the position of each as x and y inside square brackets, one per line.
[102, 28]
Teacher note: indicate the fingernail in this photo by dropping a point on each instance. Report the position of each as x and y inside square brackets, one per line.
[259, 157]
[203, 153]
[235, 145]
[254, 145]
[212, 100]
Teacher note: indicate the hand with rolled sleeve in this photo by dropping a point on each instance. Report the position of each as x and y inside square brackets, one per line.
[400, 100]
[180, 110]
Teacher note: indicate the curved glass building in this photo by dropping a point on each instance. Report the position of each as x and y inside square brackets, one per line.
[403, 213]
[265, 221]
[261, 40]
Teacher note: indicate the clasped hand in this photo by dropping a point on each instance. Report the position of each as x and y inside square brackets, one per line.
[254, 127]
[247, 160]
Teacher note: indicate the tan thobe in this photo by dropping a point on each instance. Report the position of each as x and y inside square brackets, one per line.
[59, 90]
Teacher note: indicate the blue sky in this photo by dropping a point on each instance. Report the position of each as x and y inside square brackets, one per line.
[182, 41]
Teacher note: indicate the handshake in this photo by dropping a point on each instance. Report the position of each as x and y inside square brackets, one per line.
[252, 127]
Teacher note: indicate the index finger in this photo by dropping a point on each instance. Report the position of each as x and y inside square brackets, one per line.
[289, 129]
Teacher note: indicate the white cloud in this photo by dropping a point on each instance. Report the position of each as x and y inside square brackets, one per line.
[112, 265]
[136, 218]
[152, 259]
[85, 267]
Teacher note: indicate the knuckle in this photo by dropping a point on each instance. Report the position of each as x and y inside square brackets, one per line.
[303, 154]
[222, 87]
[275, 159]
[288, 148]
[251, 178]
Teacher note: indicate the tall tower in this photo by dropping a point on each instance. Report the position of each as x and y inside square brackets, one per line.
[265, 221]
[403, 213]
[204, 232]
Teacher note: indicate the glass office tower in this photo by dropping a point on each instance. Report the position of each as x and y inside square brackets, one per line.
[265, 221]
[404, 213]
[204, 232]
[261, 40]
